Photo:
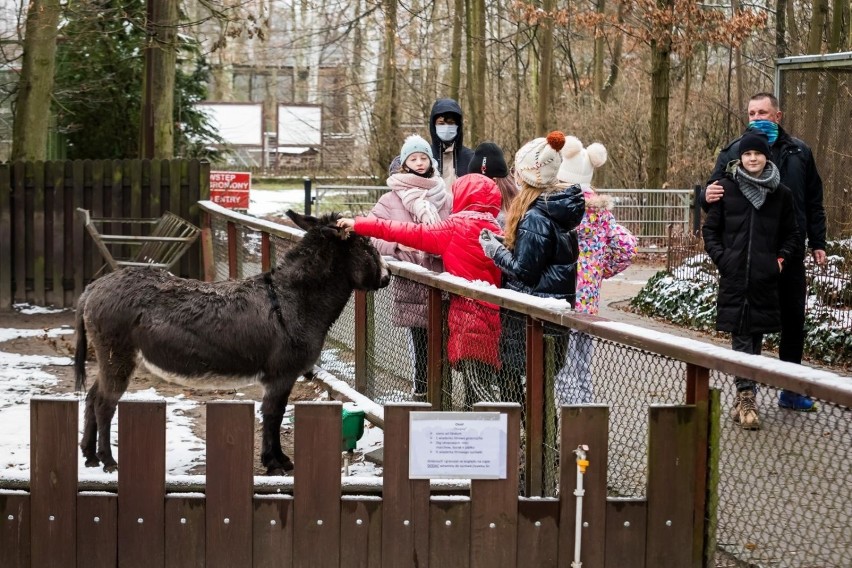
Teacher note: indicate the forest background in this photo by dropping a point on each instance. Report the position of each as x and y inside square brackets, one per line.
[663, 84]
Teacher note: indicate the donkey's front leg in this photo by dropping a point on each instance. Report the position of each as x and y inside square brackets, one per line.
[274, 403]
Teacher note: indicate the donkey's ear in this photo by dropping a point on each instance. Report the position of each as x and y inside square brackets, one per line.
[305, 222]
[335, 232]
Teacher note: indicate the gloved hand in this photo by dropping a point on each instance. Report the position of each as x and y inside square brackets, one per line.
[489, 242]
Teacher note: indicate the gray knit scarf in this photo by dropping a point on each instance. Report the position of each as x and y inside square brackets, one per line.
[756, 189]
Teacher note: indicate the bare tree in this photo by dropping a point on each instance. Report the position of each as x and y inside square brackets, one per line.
[32, 109]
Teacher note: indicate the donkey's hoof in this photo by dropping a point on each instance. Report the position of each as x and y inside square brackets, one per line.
[275, 471]
[111, 468]
[93, 462]
[288, 465]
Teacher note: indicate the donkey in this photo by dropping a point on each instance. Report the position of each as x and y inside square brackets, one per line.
[269, 329]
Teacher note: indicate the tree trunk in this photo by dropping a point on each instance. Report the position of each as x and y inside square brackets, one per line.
[158, 84]
[739, 70]
[658, 152]
[32, 107]
[812, 95]
[476, 83]
[546, 71]
[455, 52]
[615, 64]
[780, 28]
[385, 144]
[598, 65]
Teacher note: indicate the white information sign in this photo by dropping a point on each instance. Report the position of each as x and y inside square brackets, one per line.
[451, 445]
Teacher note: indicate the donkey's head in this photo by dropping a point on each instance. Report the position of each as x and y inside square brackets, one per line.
[364, 265]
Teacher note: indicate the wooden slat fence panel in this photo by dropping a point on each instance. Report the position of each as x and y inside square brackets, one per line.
[97, 530]
[141, 483]
[19, 237]
[538, 532]
[361, 532]
[53, 482]
[39, 248]
[74, 172]
[5, 235]
[449, 535]
[57, 233]
[185, 531]
[405, 513]
[14, 530]
[273, 531]
[494, 502]
[317, 484]
[46, 257]
[230, 483]
[671, 483]
[625, 533]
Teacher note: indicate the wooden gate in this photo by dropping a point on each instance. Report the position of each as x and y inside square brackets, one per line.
[307, 521]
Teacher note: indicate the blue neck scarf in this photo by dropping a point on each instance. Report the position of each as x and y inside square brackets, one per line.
[769, 128]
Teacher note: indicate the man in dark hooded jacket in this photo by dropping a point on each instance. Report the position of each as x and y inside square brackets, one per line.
[446, 126]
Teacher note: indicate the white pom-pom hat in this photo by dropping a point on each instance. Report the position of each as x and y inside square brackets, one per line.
[578, 163]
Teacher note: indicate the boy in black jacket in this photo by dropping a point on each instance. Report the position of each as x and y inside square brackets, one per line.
[749, 235]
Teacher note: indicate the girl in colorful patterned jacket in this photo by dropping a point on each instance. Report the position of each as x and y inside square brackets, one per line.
[474, 326]
[606, 249]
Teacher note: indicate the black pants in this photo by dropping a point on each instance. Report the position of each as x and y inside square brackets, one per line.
[792, 291]
[419, 336]
[750, 343]
[513, 352]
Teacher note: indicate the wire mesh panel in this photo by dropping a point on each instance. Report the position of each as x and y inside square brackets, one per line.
[248, 252]
[784, 490]
[220, 247]
[397, 364]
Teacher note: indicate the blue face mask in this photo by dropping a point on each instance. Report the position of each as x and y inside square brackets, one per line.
[767, 127]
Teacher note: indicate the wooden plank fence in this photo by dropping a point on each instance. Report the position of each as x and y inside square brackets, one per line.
[46, 258]
[54, 524]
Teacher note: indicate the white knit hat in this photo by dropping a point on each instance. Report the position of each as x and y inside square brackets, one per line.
[415, 143]
[537, 163]
[578, 163]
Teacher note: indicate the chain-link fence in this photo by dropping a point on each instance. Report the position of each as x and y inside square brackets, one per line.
[815, 94]
[829, 287]
[778, 496]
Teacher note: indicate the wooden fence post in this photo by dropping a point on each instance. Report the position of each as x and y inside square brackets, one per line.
[435, 348]
[584, 425]
[230, 483]
[53, 482]
[671, 486]
[317, 484]
[494, 502]
[698, 394]
[405, 507]
[141, 483]
[534, 408]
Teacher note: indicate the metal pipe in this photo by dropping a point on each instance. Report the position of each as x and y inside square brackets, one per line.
[582, 464]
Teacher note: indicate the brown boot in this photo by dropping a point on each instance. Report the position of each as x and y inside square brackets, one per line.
[744, 411]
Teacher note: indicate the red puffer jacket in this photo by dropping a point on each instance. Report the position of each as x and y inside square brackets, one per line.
[474, 325]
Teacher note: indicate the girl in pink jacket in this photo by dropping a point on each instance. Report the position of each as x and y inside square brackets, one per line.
[606, 248]
[417, 195]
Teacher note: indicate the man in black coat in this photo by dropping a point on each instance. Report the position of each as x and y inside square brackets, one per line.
[798, 172]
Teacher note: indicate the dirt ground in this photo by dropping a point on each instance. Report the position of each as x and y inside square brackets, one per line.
[63, 346]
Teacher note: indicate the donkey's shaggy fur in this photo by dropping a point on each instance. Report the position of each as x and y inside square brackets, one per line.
[269, 329]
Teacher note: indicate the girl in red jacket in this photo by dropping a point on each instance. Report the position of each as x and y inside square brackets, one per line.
[473, 343]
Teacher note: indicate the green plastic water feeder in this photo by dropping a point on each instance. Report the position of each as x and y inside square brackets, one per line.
[353, 426]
